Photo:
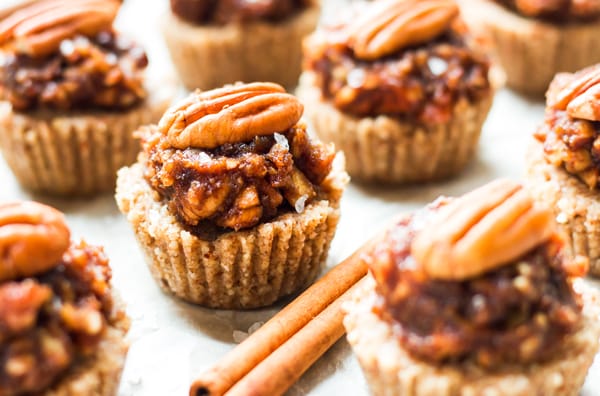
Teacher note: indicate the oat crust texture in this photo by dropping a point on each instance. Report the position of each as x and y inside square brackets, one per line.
[253, 51]
[577, 208]
[78, 153]
[390, 370]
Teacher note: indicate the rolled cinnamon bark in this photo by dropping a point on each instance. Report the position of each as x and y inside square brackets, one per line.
[287, 363]
[309, 306]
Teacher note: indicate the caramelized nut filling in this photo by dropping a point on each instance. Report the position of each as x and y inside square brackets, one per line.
[49, 322]
[572, 144]
[556, 10]
[237, 185]
[517, 313]
[222, 12]
[572, 124]
[421, 83]
[104, 72]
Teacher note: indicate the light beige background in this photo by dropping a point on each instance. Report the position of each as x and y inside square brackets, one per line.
[172, 341]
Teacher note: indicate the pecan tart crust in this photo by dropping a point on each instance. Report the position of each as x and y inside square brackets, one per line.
[234, 205]
[72, 90]
[478, 293]
[401, 91]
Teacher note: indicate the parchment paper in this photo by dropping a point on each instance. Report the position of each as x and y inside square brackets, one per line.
[171, 341]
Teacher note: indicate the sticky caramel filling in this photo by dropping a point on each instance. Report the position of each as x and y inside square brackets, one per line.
[421, 83]
[572, 144]
[560, 11]
[518, 313]
[237, 186]
[222, 12]
[104, 72]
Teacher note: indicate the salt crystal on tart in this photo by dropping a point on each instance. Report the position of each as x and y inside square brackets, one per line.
[213, 43]
[535, 39]
[474, 296]
[563, 164]
[232, 202]
[72, 91]
[62, 329]
[400, 88]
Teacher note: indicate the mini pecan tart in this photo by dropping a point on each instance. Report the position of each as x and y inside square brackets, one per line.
[399, 88]
[563, 165]
[475, 296]
[217, 42]
[535, 39]
[234, 205]
[72, 90]
[62, 329]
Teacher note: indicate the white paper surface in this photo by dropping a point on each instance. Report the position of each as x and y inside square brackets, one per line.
[171, 341]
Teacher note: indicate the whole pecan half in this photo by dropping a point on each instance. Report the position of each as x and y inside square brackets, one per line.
[37, 29]
[233, 114]
[33, 238]
[390, 25]
[578, 93]
[482, 231]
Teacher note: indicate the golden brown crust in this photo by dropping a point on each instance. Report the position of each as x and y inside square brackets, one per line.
[74, 154]
[257, 51]
[243, 269]
[576, 207]
[391, 371]
[531, 51]
[385, 149]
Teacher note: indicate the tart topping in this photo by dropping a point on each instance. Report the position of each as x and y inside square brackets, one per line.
[578, 93]
[391, 25]
[517, 311]
[38, 30]
[33, 238]
[55, 299]
[481, 231]
[412, 60]
[235, 156]
[64, 55]
[571, 130]
[233, 114]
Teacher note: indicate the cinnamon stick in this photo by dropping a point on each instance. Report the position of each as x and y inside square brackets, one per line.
[281, 327]
[283, 367]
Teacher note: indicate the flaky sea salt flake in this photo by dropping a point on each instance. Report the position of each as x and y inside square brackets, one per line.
[299, 205]
[282, 141]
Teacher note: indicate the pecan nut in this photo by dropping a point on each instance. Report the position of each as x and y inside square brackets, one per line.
[38, 29]
[390, 25]
[578, 93]
[233, 114]
[33, 238]
[482, 231]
